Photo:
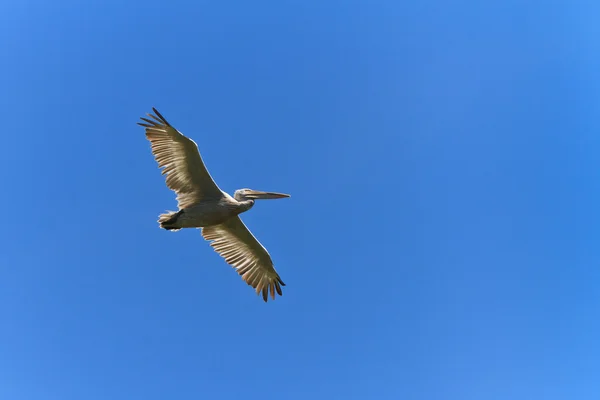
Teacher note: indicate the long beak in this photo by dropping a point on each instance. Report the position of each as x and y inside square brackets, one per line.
[257, 194]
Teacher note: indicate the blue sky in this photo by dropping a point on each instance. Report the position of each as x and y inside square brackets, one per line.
[440, 242]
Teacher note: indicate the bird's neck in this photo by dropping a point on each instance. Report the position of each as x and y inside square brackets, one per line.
[245, 205]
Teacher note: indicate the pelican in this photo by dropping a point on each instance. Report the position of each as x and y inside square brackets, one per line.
[201, 204]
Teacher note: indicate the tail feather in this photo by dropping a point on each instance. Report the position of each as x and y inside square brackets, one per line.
[168, 221]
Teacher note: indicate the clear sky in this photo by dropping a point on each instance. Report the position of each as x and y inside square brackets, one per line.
[441, 241]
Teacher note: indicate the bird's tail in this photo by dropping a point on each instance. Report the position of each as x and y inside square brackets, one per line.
[168, 221]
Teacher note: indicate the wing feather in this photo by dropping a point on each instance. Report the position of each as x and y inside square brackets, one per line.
[240, 249]
[180, 160]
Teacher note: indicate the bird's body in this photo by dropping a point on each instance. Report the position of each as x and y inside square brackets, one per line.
[205, 213]
[202, 204]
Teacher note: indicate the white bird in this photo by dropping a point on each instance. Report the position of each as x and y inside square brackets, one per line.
[203, 205]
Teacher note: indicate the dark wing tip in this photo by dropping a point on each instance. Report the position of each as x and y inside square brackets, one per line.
[278, 288]
[270, 288]
[160, 116]
[153, 123]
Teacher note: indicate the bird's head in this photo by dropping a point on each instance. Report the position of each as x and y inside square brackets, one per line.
[249, 194]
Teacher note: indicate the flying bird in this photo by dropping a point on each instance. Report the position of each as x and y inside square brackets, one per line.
[201, 204]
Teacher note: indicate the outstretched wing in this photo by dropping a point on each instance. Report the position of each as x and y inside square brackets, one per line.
[186, 173]
[240, 249]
